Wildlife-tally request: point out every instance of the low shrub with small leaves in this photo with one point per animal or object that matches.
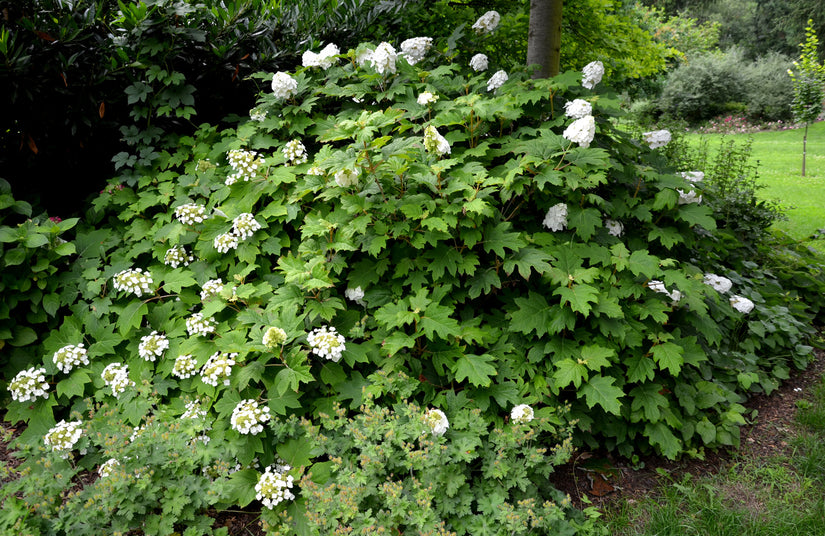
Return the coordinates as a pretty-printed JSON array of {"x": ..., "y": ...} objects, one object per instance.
[{"x": 391, "y": 211}]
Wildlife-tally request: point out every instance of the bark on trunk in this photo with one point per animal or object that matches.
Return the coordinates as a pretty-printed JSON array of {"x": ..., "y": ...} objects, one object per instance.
[
  {"x": 544, "y": 37},
  {"x": 804, "y": 148}
]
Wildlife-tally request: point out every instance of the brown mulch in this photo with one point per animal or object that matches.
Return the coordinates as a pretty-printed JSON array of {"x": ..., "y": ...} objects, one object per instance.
[{"x": 604, "y": 479}]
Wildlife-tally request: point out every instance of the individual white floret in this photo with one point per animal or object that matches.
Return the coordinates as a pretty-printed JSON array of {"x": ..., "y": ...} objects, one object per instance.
[
  {"x": 69, "y": 357},
  {"x": 274, "y": 337},
  {"x": 185, "y": 366},
  {"x": 107, "y": 467},
  {"x": 497, "y": 80},
  {"x": 134, "y": 280},
  {"x": 346, "y": 177},
  {"x": 190, "y": 213},
  {"x": 479, "y": 63},
  {"x": 416, "y": 48},
  {"x": 63, "y": 436},
  {"x": 487, "y": 22},
  {"x": 244, "y": 225},
  {"x": 614, "y": 228},
  {"x": 383, "y": 58},
  {"x": 327, "y": 343},
  {"x": 657, "y": 138},
  {"x": 581, "y": 131},
  {"x": 198, "y": 325},
  {"x": 176, "y": 256},
  {"x": 521, "y": 413},
  {"x": 718, "y": 283},
  {"x": 29, "y": 385},
  {"x": 273, "y": 486},
  {"x": 578, "y": 108},
  {"x": 223, "y": 243},
  {"x": 556, "y": 217},
  {"x": 283, "y": 86},
  {"x": 248, "y": 417},
  {"x": 435, "y": 142},
  {"x": 437, "y": 421},
  {"x": 741, "y": 304},
  {"x": 152, "y": 346},
  {"x": 218, "y": 368}
]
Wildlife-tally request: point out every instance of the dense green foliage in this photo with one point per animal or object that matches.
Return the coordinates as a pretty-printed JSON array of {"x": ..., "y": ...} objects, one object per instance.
[{"x": 354, "y": 232}]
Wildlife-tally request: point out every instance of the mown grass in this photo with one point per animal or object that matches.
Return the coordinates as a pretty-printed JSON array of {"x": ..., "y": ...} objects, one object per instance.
[
  {"x": 779, "y": 158},
  {"x": 781, "y": 496}
]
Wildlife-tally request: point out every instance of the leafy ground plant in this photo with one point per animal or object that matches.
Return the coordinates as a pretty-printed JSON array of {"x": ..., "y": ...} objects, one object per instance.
[{"x": 412, "y": 212}]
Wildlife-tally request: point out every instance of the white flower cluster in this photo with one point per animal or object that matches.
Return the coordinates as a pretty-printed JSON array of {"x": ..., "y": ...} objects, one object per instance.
[
  {"x": 614, "y": 228},
  {"x": 718, "y": 283},
  {"x": 315, "y": 170},
  {"x": 592, "y": 74},
  {"x": 134, "y": 280},
  {"x": 223, "y": 243},
  {"x": 273, "y": 486},
  {"x": 487, "y": 22},
  {"x": 185, "y": 366},
  {"x": 324, "y": 59},
  {"x": 294, "y": 152},
  {"x": 693, "y": 176},
  {"x": 556, "y": 217},
  {"x": 346, "y": 178},
  {"x": 521, "y": 413},
  {"x": 29, "y": 384},
  {"x": 479, "y": 63},
  {"x": 578, "y": 108},
  {"x": 152, "y": 346},
  {"x": 63, "y": 436},
  {"x": 427, "y": 98},
  {"x": 218, "y": 368},
  {"x": 274, "y": 337},
  {"x": 193, "y": 410},
  {"x": 244, "y": 225},
  {"x": 690, "y": 196},
  {"x": 355, "y": 294},
  {"x": 497, "y": 80},
  {"x": 116, "y": 376},
  {"x": 283, "y": 85},
  {"x": 581, "y": 131},
  {"x": 256, "y": 114},
  {"x": 69, "y": 357},
  {"x": 435, "y": 142},
  {"x": 657, "y": 138},
  {"x": 213, "y": 287},
  {"x": 659, "y": 286},
  {"x": 248, "y": 416},
  {"x": 327, "y": 343},
  {"x": 416, "y": 48},
  {"x": 741, "y": 304},
  {"x": 176, "y": 256},
  {"x": 107, "y": 467},
  {"x": 244, "y": 163},
  {"x": 383, "y": 58},
  {"x": 190, "y": 213},
  {"x": 437, "y": 421},
  {"x": 198, "y": 325}
]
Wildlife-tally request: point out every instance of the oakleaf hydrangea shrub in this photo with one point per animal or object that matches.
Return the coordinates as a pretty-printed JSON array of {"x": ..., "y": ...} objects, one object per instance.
[{"x": 475, "y": 243}]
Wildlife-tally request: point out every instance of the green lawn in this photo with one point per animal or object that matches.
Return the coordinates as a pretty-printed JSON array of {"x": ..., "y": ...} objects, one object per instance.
[{"x": 779, "y": 156}]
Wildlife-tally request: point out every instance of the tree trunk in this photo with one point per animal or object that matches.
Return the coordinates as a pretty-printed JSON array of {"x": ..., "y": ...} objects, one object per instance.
[
  {"x": 804, "y": 148},
  {"x": 544, "y": 37}
]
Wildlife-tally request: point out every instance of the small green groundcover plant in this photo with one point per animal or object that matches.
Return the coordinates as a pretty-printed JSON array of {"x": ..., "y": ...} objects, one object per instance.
[{"x": 387, "y": 303}]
